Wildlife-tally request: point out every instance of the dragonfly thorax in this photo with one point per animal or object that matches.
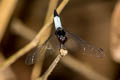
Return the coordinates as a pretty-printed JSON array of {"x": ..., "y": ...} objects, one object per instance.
[{"x": 61, "y": 35}]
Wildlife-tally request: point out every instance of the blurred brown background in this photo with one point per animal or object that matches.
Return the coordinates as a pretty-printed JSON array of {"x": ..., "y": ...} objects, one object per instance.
[{"x": 91, "y": 20}]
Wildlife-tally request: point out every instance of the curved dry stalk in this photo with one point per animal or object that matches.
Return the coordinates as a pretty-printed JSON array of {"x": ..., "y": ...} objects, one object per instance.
[
  {"x": 115, "y": 32},
  {"x": 37, "y": 69},
  {"x": 51, "y": 8},
  {"x": 6, "y": 9},
  {"x": 42, "y": 33},
  {"x": 53, "y": 65}
]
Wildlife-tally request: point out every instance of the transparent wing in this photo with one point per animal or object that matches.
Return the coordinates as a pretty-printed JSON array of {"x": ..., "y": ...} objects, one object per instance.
[
  {"x": 34, "y": 55},
  {"x": 76, "y": 44},
  {"x": 51, "y": 46}
]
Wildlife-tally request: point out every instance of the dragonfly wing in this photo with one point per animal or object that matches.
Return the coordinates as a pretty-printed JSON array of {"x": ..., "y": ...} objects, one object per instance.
[
  {"x": 51, "y": 46},
  {"x": 33, "y": 57},
  {"x": 76, "y": 44}
]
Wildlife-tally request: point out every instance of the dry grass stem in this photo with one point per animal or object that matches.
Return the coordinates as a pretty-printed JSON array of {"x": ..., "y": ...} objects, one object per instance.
[
  {"x": 6, "y": 9},
  {"x": 115, "y": 32},
  {"x": 53, "y": 65},
  {"x": 37, "y": 69},
  {"x": 52, "y": 6},
  {"x": 42, "y": 33}
]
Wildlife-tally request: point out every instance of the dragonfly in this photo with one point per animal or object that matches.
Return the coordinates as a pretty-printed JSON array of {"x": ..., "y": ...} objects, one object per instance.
[{"x": 63, "y": 39}]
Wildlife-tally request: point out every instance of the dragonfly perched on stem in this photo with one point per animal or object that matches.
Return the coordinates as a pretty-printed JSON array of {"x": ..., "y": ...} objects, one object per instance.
[{"x": 63, "y": 39}]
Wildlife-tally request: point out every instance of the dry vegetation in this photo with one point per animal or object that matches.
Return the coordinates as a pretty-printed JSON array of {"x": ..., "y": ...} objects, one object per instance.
[{"x": 24, "y": 24}]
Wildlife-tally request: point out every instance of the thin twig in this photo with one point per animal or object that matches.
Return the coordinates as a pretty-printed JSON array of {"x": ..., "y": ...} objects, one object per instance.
[
  {"x": 53, "y": 65},
  {"x": 37, "y": 69},
  {"x": 42, "y": 33},
  {"x": 6, "y": 9},
  {"x": 115, "y": 32}
]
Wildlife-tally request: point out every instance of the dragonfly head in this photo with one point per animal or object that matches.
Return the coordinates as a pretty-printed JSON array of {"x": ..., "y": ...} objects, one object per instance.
[
  {"x": 61, "y": 35},
  {"x": 62, "y": 39}
]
